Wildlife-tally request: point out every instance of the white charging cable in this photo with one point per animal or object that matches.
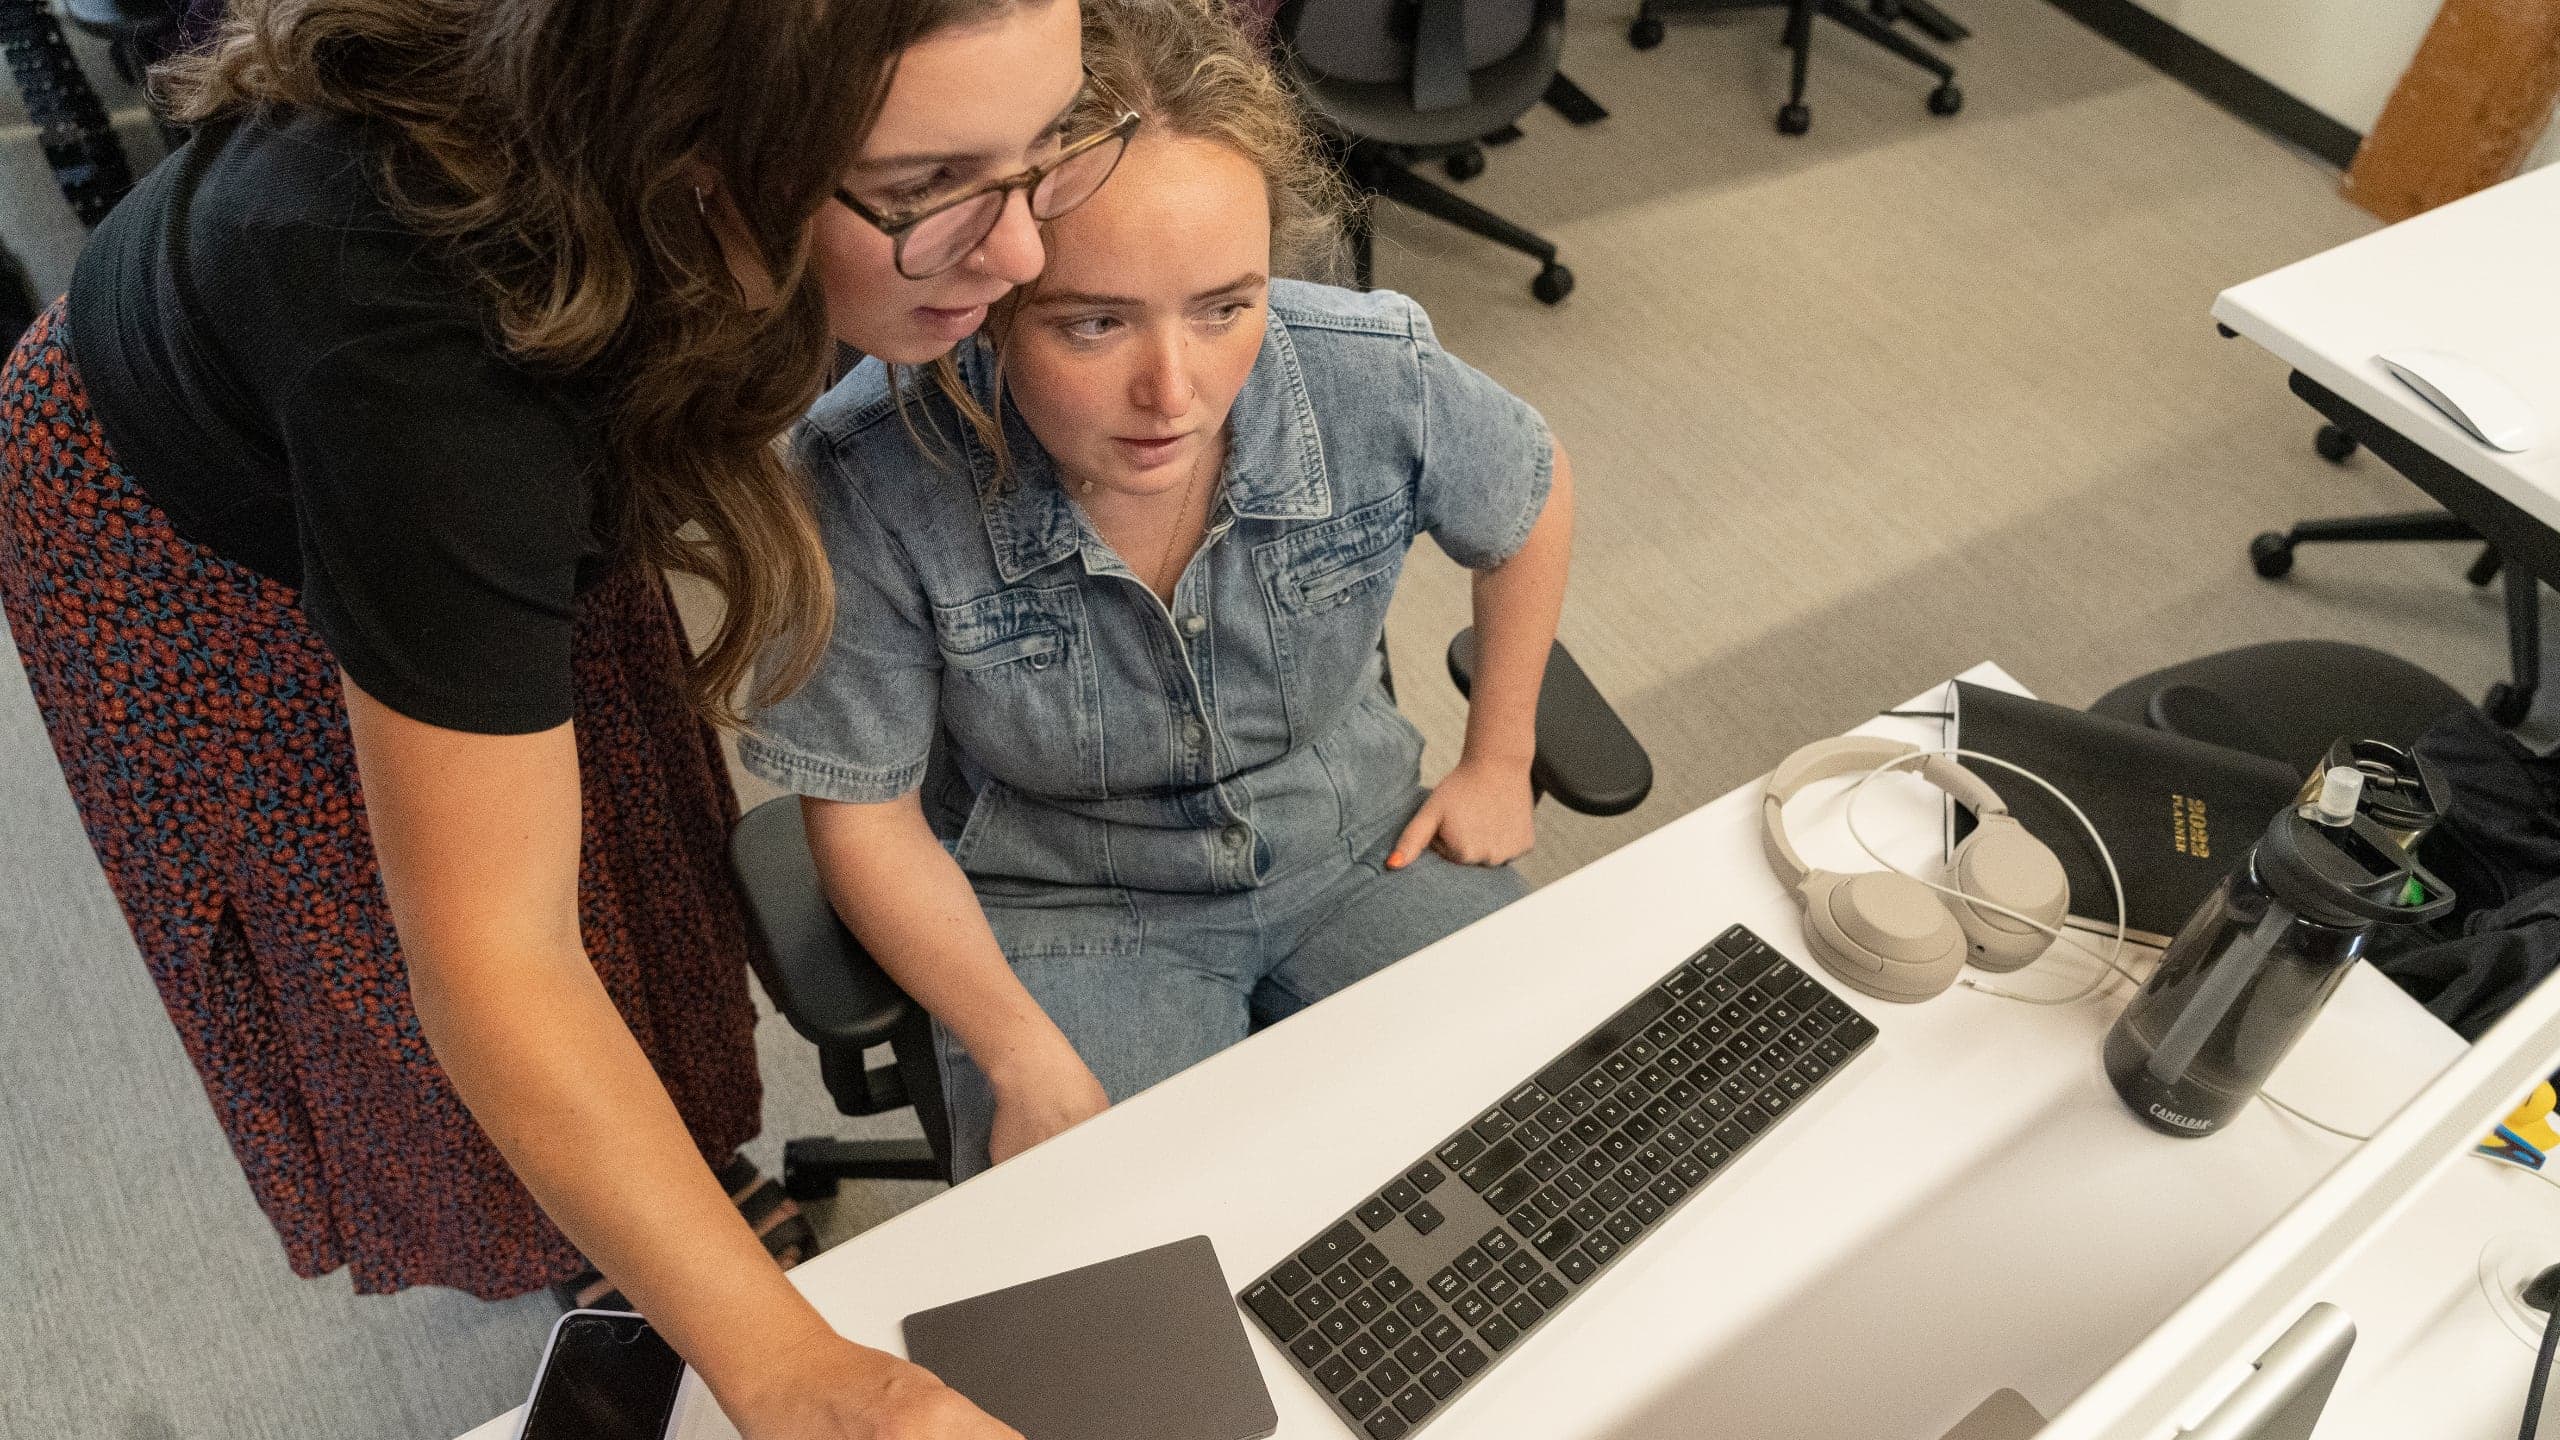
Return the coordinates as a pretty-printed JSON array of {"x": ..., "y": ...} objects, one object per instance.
[{"x": 2108, "y": 961}]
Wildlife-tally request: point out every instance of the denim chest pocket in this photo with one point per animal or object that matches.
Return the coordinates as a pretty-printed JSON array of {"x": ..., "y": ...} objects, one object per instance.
[
  {"x": 1019, "y": 685},
  {"x": 1328, "y": 586},
  {"x": 1338, "y": 563},
  {"x": 1038, "y": 649}
]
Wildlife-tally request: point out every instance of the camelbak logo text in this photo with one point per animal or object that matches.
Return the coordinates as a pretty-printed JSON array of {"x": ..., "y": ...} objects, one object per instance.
[{"x": 2181, "y": 1121}]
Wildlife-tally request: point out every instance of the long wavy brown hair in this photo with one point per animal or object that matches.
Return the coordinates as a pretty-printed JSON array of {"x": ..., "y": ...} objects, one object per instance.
[{"x": 555, "y": 149}]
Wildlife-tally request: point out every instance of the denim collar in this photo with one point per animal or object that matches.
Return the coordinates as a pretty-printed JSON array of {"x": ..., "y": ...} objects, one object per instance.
[{"x": 1275, "y": 462}]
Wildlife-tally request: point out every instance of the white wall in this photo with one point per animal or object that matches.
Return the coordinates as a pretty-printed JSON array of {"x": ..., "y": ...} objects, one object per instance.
[{"x": 2341, "y": 57}]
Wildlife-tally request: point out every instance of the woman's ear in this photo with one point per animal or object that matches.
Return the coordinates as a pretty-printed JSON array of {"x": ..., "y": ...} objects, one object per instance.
[{"x": 729, "y": 231}]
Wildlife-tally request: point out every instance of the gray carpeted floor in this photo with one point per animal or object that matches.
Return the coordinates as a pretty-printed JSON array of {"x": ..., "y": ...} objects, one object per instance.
[{"x": 1849, "y": 413}]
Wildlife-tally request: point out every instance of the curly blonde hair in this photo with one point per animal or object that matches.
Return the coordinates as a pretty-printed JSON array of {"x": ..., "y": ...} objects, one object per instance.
[{"x": 1189, "y": 71}]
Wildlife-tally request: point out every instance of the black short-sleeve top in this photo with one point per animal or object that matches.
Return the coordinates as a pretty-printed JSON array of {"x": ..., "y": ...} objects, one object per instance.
[{"x": 310, "y": 388}]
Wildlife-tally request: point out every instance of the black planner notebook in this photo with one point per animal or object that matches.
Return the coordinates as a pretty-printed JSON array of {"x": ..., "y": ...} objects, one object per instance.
[{"x": 2177, "y": 814}]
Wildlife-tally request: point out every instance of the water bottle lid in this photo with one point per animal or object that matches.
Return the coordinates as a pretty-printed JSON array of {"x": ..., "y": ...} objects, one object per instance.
[
  {"x": 2349, "y": 874},
  {"x": 2402, "y": 789},
  {"x": 2341, "y": 789}
]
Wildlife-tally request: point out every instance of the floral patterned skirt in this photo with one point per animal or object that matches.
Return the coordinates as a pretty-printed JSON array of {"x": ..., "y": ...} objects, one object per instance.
[{"x": 199, "y": 721}]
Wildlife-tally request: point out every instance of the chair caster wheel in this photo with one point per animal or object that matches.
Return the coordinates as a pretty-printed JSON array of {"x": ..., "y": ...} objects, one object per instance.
[
  {"x": 1466, "y": 165},
  {"x": 2335, "y": 445},
  {"x": 1553, "y": 284},
  {"x": 1946, "y": 99},
  {"x": 1645, "y": 33},
  {"x": 1794, "y": 120},
  {"x": 2271, "y": 554},
  {"x": 2505, "y": 706}
]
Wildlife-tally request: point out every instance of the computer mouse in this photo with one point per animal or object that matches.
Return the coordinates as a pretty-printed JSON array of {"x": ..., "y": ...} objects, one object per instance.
[{"x": 2469, "y": 395}]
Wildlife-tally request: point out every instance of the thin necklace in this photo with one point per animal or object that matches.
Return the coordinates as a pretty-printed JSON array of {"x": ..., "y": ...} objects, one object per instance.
[{"x": 1181, "y": 519}]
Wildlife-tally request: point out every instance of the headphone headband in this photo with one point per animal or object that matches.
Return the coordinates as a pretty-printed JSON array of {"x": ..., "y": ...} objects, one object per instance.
[{"x": 1855, "y": 755}]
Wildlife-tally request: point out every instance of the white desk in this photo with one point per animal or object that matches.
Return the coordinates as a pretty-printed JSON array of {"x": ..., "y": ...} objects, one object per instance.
[
  {"x": 1967, "y": 1206},
  {"x": 2478, "y": 278},
  {"x": 2432, "y": 1358}
]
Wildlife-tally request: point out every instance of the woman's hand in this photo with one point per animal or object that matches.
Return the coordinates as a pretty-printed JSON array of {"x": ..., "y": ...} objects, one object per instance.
[
  {"x": 833, "y": 1389},
  {"x": 1042, "y": 1099},
  {"x": 1480, "y": 815}
]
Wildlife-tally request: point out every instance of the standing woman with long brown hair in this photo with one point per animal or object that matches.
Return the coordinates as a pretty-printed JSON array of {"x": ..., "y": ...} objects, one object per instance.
[{"x": 334, "y": 505}]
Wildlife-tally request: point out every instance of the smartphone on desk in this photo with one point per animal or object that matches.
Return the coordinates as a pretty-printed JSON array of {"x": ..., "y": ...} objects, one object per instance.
[{"x": 605, "y": 1376}]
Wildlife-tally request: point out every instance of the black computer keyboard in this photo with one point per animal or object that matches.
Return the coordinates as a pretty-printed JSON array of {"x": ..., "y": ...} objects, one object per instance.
[{"x": 1404, "y": 1302}]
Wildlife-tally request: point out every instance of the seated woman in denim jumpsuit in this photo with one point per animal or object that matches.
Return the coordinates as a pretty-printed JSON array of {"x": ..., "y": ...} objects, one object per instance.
[{"x": 1100, "y": 766}]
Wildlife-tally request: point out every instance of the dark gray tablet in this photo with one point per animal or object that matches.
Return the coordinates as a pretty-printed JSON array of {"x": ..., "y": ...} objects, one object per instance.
[{"x": 1145, "y": 1347}]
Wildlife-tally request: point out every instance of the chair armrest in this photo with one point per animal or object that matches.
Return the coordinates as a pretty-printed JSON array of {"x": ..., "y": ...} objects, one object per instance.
[
  {"x": 1587, "y": 758},
  {"x": 819, "y": 976}
]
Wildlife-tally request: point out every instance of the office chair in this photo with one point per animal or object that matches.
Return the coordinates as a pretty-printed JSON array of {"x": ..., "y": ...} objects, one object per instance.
[
  {"x": 1393, "y": 83},
  {"x": 2271, "y": 554},
  {"x": 2286, "y": 700},
  {"x": 1875, "y": 23},
  {"x": 71, "y": 125},
  {"x": 838, "y": 998}
]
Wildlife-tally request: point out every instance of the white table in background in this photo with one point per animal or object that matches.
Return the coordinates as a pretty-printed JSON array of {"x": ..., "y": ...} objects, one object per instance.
[{"x": 2477, "y": 278}]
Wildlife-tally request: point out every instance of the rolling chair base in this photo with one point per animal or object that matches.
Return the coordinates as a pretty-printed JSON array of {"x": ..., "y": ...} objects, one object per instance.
[
  {"x": 1873, "y": 24},
  {"x": 2272, "y": 551},
  {"x": 1387, "y": 173},
  {"x": 814, "y": 1167},
  {"x": 2271, "y": 554},
  {"x": 1573, "y": 102},
  {"x": 1563, "y": 97}
]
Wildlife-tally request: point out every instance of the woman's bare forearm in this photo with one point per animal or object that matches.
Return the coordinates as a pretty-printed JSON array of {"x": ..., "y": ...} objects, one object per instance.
[
  {"x": 1517, "y": 604},
  {"x": 914, "y": 910},
  {"x": 537, "y": 1050},
  {"x": 478, "y": 840}
]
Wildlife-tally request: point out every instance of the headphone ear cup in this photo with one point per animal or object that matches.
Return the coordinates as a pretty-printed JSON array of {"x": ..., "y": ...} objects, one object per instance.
[
  {"x": 1881, "y": 933},
  {"x": 2003, "y": 864}
]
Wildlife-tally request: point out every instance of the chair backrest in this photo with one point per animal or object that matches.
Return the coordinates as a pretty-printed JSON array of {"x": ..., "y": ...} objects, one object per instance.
[
  {"x": 1384, "y": 42},
  {"x": 2287, "y": 699}
]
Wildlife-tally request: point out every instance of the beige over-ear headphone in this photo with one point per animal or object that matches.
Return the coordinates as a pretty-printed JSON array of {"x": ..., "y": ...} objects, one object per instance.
[{"x": 1888, "y": 934}]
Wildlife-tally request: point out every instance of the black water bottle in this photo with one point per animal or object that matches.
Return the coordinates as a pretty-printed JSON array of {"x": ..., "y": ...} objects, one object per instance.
[{"x": 2249, "y": 971}]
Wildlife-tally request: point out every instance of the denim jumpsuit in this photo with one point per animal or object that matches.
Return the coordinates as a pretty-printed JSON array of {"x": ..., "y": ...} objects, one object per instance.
[{"x": 1176, "y": 816}]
